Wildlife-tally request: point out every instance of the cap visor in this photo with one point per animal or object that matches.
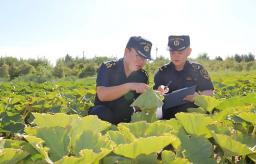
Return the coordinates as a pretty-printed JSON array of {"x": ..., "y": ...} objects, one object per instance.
[{"x": 142, "y": 55}]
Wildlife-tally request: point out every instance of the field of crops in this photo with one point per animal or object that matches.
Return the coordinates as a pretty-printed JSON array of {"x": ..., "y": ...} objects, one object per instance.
[{"x": 48, "y": 123}]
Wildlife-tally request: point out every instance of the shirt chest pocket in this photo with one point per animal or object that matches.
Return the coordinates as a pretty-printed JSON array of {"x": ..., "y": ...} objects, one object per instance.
[
  {"x": 189, "y": 81},
  {"x": 116, "y": 78}
]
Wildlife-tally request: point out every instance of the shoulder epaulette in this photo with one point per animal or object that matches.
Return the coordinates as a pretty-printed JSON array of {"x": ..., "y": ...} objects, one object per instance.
[
  {"x": 164, "y": 67},
  {"x": 196, "y": 66},
  {"x": 199, "y": 68},
  {"x": 110, "y": 64}
]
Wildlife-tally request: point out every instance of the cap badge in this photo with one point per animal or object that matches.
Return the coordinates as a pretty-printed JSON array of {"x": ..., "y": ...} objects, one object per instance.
[
  {"x": 147, "y": 47},
  {"x": 176, "y": 43}
]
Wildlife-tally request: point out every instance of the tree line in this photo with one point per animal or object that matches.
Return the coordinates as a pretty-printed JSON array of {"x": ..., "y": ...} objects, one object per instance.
[{"x": 41, "y": 70}]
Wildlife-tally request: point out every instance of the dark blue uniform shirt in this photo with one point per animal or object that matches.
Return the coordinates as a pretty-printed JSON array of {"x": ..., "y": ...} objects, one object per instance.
[
  {"x": 112, "y": 74},
  {"x": 192, "y": 74}
]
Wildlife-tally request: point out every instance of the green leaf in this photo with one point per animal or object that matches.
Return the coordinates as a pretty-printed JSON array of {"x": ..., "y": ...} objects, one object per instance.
[
  {"x": 167, "y": 156},
  {"x": 92, "y": 140},
  {"x": 195, "y": 123},
  {"x": 88, "y": 123},
  {"x": 148, "y": 159},
  {"x": 144, "y": 129},
  {"x": 133, "y": 130},
  {"x": 224, "y": 127},
  {"x": 230, "y": 146},
  {"x": 252, "y": 157},
  {"x": 57, "y": 139},
  {"x": 118, "y": 137},
  {"x": 148, "y": 101},
  {"x": 16, "y": 144},
  {"x": 113, "y": 158},
  {"x": 163, "y": 128},
  {"x": 86, "y": 156},
  {"x": 249, "y": 117},
  {"x": 247, "y": 139},
  {"x": 140, "y": 116},
  {"x": 11, "y": 155},
  {"x": 197, "y": 149},
  {"x": 196, "y": 110},
  {"x": 208, "y": 103},
  {"x": 238, "y": 101},
  {"x": 144, "y": 146},
  {"x": 179, "y": 161},
  {"x": 50, "y": 120},
  {"x": 37, "y": 143},
  {"x": 73, "y": 122}
]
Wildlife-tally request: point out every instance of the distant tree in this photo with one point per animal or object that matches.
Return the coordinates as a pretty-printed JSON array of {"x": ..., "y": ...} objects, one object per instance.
[
  {"x": 90, "y": 70},
  {"x": 38, "y": 62},
  {"x": 99, "y": 60},
  {"x": 203, "y": 56},
  {"x": 238, "y": 58},
  {"x": 58, "y": 71},
  {"x": 218, "y": 58},
  {"x": 4, "y": 71},
  {"x": 25, "y": 69},
  {"x": 251, "y": 57},
  {"x": 13, "y": 71},
  {"x": 68, "y": 59}
]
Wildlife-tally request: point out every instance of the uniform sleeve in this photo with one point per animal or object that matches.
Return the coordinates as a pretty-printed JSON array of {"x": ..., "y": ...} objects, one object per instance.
[
  {"x": 204, "y": 81},
  {"x": 102, "y": 77},
  {"x": 157, "y": 81}
]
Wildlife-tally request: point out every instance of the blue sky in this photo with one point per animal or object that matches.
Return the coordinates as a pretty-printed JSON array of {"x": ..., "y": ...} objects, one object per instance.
[{"x": 53, "y": 28}]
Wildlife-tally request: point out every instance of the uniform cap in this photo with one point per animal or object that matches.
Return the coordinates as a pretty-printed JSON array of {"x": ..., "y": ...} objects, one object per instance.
[
  {"x": 178, "y": 43},
  {"x": 141, "y": 45}
]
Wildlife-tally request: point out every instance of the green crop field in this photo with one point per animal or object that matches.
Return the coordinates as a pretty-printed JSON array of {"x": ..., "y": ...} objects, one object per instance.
[{"x": 48, "y": 123}]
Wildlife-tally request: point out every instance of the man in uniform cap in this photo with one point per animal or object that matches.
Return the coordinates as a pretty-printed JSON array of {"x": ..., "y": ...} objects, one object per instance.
[
  {"x": 181, "y": 73},
  {"x": 120, "y": 82}
]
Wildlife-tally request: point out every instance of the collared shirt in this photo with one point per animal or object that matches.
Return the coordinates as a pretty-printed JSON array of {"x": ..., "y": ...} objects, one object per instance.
[
  {"x": 192, "y": 74},
  {"x": 112, "y": 74}
]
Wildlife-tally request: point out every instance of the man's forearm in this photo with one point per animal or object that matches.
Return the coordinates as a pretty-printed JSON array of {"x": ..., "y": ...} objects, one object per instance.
[{"x": 112, "y": 93}]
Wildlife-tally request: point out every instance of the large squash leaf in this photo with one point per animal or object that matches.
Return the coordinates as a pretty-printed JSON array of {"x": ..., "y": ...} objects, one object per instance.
[
  {"x": 148, "y": 101},
  {"x": 93, "y": 141},
  {"x": 208, "y": 103},
  {"x": 144, "y": 146},
  {"x": 144, "y": 129},
  {"x": 86, "y": 156},
  {"x": 249, "y": 117},
  {"x": 11, "y": 155},
  {"x": 252, "y": 157},
  {"x": 49, "y": 120},
  {"x": 37, "y": 143},
  {"x": 169, "y": 157},
  {"x": 139, "y": 116},
  {"x": 197, "y": 149},
  {"x": 118, "y": 137},
  {"x": 73, "y": 122},
  {"x": 148, "y": 159},
  {"x": 230, "y": 146},
  {"x": 195, "y": 123},
  {"x": 238, "y": 101},
  {"x": 55, "y": 138}
]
